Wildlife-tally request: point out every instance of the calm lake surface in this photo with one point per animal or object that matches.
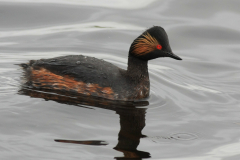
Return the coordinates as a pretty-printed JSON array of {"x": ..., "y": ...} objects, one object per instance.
[{"x": 193, "y": 112}]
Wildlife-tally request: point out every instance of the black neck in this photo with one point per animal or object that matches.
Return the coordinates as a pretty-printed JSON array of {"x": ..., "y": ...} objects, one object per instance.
[{"x": 137, "y": 68}]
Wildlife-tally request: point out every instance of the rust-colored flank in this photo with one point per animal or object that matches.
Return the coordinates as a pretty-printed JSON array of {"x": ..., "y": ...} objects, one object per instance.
[
  {"x": 48, "y": 80},
  {"x": 144, "y": 45}
]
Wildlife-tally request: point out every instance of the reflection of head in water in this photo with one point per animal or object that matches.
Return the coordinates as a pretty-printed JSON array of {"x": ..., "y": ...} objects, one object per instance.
[
  {"x": 132, "y": 122},
  {"x": 132, "y": 119}
]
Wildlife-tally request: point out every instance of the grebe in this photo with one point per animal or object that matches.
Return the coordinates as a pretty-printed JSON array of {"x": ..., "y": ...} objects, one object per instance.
[{"x": 94, "y": 77}]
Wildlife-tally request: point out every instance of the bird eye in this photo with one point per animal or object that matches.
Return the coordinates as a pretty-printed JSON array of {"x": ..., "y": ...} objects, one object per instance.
[{"x": 159, "y": 47}]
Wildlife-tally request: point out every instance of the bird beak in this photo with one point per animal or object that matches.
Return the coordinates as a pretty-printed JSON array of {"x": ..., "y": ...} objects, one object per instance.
[{"x": 169, "y": 54}]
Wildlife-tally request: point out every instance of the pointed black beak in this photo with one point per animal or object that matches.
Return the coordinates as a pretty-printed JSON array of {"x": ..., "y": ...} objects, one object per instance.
[{"x": 169, "y": 54}]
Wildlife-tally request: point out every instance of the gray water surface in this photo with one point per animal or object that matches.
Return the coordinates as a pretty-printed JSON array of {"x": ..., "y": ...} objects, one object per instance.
[{"x": 194, "y": 107}]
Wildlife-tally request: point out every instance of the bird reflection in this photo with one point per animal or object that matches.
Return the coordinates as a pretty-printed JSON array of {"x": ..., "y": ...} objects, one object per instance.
[{"x": 132, "y": 119}]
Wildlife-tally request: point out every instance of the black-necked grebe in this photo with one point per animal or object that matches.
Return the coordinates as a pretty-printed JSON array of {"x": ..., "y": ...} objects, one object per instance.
[{"x": 94, "y": 77}]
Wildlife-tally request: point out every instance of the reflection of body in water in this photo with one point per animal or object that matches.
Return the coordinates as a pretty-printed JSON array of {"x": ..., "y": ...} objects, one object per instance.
[{"x": 132, "y": 119}]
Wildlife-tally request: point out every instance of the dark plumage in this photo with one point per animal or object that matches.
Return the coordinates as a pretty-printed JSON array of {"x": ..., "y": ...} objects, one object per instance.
[{"x": 94, "y": 77}]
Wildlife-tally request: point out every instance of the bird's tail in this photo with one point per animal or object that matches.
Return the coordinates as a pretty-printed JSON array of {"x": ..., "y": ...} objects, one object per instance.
[
  {"x": 23, "y": 65},
  {"x": 26, "y": 66}
]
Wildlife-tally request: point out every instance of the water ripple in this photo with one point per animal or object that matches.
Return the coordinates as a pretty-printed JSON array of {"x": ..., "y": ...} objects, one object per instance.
[
  {"x": 83, "y": 27},
  {"x": 123, "y": 4}
]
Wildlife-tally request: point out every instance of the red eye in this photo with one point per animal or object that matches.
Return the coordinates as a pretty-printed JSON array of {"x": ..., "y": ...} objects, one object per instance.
[{"x": 159, "y": 47}]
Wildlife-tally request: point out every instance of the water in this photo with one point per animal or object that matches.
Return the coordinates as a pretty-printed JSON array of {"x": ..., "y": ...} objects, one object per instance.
[{"x": 193, "y": 110}]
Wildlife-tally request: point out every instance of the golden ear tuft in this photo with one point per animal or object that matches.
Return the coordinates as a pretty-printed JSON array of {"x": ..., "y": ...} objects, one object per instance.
[{"x": 144, "y": 45}]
